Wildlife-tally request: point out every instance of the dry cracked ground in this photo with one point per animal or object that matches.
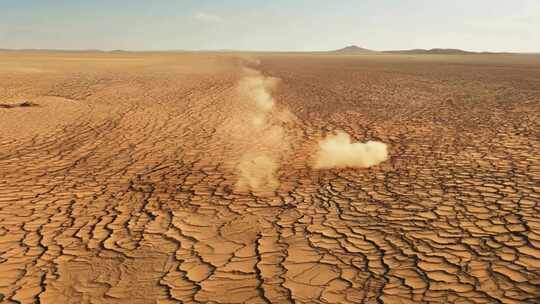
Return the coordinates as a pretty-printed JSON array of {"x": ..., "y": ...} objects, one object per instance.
[{"x": 117, "y": 180}]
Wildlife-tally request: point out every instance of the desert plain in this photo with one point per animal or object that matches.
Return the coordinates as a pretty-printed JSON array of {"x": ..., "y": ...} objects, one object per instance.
[{"x": 162, "y": 178}]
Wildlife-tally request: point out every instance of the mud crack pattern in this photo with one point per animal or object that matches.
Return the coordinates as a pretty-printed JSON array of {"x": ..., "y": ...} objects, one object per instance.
[{"x": 119, "y": 186}]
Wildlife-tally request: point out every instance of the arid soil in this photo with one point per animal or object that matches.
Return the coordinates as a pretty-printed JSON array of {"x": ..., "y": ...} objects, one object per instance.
[{"x": 122, "y": 179}]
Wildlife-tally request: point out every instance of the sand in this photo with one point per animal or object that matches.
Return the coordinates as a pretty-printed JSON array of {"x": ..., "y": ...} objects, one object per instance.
[{"x": 120, "y": 183}]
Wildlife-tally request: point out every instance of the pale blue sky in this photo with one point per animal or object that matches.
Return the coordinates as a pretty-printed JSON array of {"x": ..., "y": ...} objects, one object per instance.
[{"x": 495, "y": 25}]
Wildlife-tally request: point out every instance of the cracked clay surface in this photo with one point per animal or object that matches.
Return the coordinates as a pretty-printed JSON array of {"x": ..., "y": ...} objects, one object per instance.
[{"x": 119, "y": 185}]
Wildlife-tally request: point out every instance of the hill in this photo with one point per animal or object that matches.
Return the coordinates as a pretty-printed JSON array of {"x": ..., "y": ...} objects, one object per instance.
[{"x": 353, "y": 49}]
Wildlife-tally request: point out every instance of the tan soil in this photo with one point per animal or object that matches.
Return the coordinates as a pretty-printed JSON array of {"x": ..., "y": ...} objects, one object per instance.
[{"x": 119, "y": 185}]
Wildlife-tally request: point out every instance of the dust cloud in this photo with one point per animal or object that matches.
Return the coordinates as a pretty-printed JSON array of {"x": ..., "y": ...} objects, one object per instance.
[
  {"x": 257, "y": 88},
  {"x": 267, "y": 128},
  {"x": 338, "y": 151},
  {"x": 257, "y": 173}
]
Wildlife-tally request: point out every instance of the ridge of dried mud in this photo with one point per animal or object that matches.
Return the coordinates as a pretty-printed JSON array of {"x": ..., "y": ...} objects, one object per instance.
[{"x": 119, "y": 187}]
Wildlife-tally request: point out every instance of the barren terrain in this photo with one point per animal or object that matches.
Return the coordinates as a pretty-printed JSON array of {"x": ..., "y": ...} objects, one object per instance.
[{"x": 123, "y": 179}]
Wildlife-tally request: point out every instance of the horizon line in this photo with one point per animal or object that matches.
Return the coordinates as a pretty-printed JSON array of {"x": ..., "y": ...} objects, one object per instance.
[{"x": 341, "y": 50}]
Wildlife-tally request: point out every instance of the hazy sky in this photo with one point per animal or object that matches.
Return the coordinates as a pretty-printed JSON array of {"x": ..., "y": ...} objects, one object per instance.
[{"x": 496, "y": 25}]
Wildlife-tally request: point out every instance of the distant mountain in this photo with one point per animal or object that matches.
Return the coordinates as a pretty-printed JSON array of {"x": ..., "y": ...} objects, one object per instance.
[
  {"x": 431, "y": 51},
  {"x": 352, "y": 49}
]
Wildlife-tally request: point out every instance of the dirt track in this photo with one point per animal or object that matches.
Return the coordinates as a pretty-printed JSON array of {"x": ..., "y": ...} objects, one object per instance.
[{"x": 118, "y": 184}]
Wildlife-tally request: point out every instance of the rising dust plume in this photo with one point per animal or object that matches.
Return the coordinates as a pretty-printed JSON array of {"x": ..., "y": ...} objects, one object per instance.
[{"x": 267, "y": 128}]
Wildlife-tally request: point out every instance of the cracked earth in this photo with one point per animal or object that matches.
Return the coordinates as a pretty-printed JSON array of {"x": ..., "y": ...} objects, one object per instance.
[{"x": 118, "y": 180}]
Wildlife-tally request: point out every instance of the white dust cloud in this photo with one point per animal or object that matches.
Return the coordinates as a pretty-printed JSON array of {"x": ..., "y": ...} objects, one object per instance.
[{"x": 338, "y": 151}]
